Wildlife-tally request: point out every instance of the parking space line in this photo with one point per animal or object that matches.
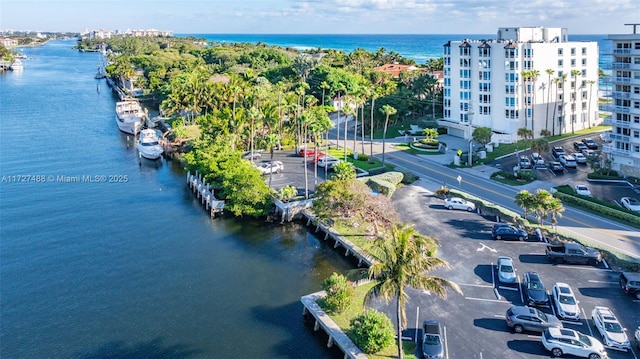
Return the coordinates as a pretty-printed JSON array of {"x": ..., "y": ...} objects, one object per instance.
[
  {"x": 601, "y": 281},
  {"x": 446, "y": 346},
  {"x": 586, "y": 320},
  {"x": 499, "y": 315},
  {"x": 583, "y": 268},
  {"x": 476, "y": 285},
  {"x": 572, "y": 323},
  {"x": 508, "y": 288},
  {"x": 486, "y": 300},
  {"x": 534, "y": 336}
]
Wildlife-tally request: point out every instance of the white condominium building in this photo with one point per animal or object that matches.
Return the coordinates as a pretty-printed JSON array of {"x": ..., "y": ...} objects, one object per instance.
[
  {"x": 529, "y": 77},
  {"x": 624, "y": 150}
]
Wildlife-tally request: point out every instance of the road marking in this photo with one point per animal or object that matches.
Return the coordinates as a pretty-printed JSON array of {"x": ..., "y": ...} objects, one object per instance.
[
  {"x": 572, "y": 323},
  {"x": 586, "y": 321},
  {"x": 484, "y": 246},
  {"x": 601, "y": 281},
  {"x": 508, "y": 288},
  {"x": 534, "y": 336},
  {"x": 446, "y": 347},
  {"x": 583, "y": 268},
  {"x": 499, "y": 316},
  {"x": 486, "y": 300},
  {"x": 476, "y": 285}
]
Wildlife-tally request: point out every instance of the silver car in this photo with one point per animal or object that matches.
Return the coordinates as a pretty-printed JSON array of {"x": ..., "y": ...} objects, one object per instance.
[
  {"x": 506, "y": 270},
  {"x": 432, "y": 341},
  {"x": 525, "y": 318}
]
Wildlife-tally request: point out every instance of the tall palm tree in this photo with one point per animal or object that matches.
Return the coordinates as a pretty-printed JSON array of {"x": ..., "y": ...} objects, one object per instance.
[
  {"x": 526, "y": 77},
  {"x": 403, "y": 262},
  {"x": 575, "y": 74},
  {"x": 590, "y": 82},
  {"x": 270, "y": 141},
  {"x": 549, "y": 73},
  {"x": 533, "y": 75},
  {"x": 387, "y": 110}
]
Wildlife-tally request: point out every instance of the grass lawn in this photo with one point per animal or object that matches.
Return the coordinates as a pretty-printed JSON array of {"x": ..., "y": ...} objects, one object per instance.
[
  {"x": 368, "y": 165},
  {"x": 406, "y": 148},
  {"x": 356, "y": 308}
]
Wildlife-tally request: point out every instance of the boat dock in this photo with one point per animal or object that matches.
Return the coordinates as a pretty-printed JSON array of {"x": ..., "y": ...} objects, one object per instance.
[
  {"x": 339, "y": 241},
  {"x": 322, "y": 320},
  {"x": 204, "y": 193}
]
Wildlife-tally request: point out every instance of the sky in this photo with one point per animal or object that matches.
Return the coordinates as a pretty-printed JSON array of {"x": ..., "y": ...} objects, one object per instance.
[{"x": 320, "y": 16}]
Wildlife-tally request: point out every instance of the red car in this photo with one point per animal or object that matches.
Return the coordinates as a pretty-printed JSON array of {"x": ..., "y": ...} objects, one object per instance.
[{"x": 310, "y": 152}]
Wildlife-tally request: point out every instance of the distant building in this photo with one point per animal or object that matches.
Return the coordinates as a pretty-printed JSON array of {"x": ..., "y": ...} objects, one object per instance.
[
  {"x": 624, "y": 150},
  {"x": 150, "y": 32},
  {"x": 484, "y": 83},
  {"x": 7, "y": 42},
  {"x": 99, "y": 34},
  {"x": 395, "y": 69}
]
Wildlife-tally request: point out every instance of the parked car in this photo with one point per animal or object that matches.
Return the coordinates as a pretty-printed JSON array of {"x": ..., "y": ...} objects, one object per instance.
[
  {"x": 459, "y": 203},
  {"x": 565, "y": 301},
  {"x": 606, "y": 136},
  {"x": 505, "y": 231},
  {"x": 310, "y": 152},
  {"x": 533, "y": 289},
  {"x": 557, "y": 151},
  {"x": 613, "y": 334},
  {"x": 524, "y": 163},
  {"x": 638, "y": 336},
  {"x": 630, "y": 203},
  {"x": 579, "y": 146},
  {"x": 582, "y": 190},
  {"x": 561, "y": 341},
  {"x": 568, "y": 161},
  {"x": 432, "y": 340},
  {"x": 537, "y": 160},
  {"x": 590, "y": 143},
  {"x": 630, "y": 283},
  {"x": 252, "y": 155},
  {"x": 522, "y": 318},
  {"x": 506, "y": 270},
  {"x": 327, "y": 161},
  {"x": 589, "y": 153},
  {"x": 571, "y": 252},
  {"x": 270, "y": 167},
  {"x": 580, "y": 158},
  {"x": 556, "y": 166}
]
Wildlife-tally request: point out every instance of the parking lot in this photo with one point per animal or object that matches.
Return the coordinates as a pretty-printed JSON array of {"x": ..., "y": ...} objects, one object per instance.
[
  {"x": 572, "y": 176},
  {"x": 474, "y": 323}
]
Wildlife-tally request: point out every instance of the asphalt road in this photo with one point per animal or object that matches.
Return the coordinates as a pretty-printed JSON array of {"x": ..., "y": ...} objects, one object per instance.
[{"x": 474, "y": 322}]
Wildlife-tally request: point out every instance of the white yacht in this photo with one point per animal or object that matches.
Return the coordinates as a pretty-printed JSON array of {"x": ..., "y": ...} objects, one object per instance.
[
  {"x": 16, "y": 65},
  {"x": 148, "y": 145},
  {"x": 129, "y": 116}
]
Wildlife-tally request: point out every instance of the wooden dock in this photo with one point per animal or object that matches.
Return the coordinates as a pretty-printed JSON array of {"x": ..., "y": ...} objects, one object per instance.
[
  {"x": 204, "y": 193},
  {"x": 322, "y": 320},
  {"x": 339, "y": 241}
]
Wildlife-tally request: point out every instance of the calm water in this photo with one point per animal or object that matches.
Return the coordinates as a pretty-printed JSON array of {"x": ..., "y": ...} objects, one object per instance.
[
  {"x": 417, "y": 47},
  {"x": 134, "y": 269}
]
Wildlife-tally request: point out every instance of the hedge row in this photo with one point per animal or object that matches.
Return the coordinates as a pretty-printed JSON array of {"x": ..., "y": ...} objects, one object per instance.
[
  {"x": 566, "y": 194},
  {"x": 384, "y": 183}
]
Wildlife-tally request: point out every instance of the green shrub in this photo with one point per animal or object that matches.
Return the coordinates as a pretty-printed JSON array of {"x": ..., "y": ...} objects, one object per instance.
[
  {"x": 363, "y": 157},
  {"x": 408, "y": 177},
  {"x": 340, "y": 293},
  {"x": 393, "y": 177},
  {"x": 287, "y": 193},
  {"x": 597, "y": 205},
  {"x": 372, "y": 331},
  {"x": 381, "y": 186}
]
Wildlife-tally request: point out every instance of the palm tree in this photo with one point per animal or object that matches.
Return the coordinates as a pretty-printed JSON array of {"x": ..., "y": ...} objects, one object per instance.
[
  {"x": 526, "y": 77},
  {"x": 590, "y": 82},
  {"x": 540, "y": 145},
  {"x": 575, "y": 74},
  {"x": 549, "y": 72},
  {"x": 387, "y": 110},
  {"x": 254, "y": 115},
  {"x": 561, "y": 80},
  {"x": 533, "y": 75},
  {"x": 525, "y": 133},
  {"x": 270, "y": 141},
  {"x": 403, "y": 261},
  {"x": 525, "y": 200}
]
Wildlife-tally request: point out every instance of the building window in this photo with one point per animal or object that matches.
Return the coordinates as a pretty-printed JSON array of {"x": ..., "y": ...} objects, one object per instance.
[
  {"x": 637, "y": 45},
  {"x": 573, "y": 51},
  {"x": 560, "y": 52},
  {"x": 584, "y": 73},
  {"x": 560, "y": 74},
  {"x": 584, "y": 50},
  {"x": 636, "y": 134},
  {"x": 485, "y": 110},
  {"x": 484, "y": 75},
  {"x": 573, "y": 62},
  {"x": 560, "y": 63},
  {"x": 584, "y": 62}
]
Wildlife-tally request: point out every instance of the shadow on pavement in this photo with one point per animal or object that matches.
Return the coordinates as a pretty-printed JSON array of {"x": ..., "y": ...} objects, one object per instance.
[
  {"x": 494, "y": 324},
  {"x": 484, "y": 272}
]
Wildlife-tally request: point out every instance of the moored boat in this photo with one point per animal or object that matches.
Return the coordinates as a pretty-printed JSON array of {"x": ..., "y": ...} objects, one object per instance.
[
  {"x": 16, "y": 65},
  {"x": 129, "y": 116},
  {"x": 148, "y": 145}
]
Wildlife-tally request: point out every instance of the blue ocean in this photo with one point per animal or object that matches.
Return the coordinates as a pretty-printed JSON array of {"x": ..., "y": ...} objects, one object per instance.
[{"x": 420, "y": 48}]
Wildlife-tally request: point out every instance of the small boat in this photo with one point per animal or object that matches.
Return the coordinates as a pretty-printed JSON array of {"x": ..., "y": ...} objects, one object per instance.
[
  {"x": 148, "y": 145},
  {"x": 129, "y": 116},
  {"x": 16, "y": 65}
]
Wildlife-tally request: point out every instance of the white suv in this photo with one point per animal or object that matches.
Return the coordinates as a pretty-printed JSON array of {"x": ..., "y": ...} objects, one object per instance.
[
  {"x": 613, "y": 334},
  {"x": 560, "y": 341},
  {"x": 565, "y": 301}
]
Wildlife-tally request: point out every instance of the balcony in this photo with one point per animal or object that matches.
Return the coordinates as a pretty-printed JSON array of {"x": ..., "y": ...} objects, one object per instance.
[
  {"x": 620, "y": 94},
  {"x": 620, "y": 80},
  {"x": 621, "y": 51},
  {"x": 611, "y": 108},
  {"x": 609, "y": 121},
  {"x": 615, "y": 151}
]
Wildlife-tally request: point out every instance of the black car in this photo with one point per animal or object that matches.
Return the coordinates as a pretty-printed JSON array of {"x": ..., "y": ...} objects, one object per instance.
[
  {"x": 556, "y": 166},
  {"x": 505, "y": 231},
  {"x": 579, "y": 146},
  {"x": 557, "y": 151},
  {"x": 533, "y": 289},
  {"x": 590, "y": 143}
]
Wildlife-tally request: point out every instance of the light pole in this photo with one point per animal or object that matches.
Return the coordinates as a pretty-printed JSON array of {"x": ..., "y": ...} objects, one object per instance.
[{"x": 470, "y": 134}]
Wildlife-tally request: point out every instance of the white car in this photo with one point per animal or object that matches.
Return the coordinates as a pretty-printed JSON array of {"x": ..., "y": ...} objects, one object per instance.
[
  {"x": 613, "y": 334},
  {"x": 630, "y": 203},
  {"x": 327, "y": 161},
  {"x": 568, "y": 161},
  {"x": 583, "y": 190},
  {"x": 560, "y": 341},
  {"x": 459, "y": 203},
  {"x": 506, "y": 270},
  {"x": 638, "y": 337},
  {"x": 270, "y": 167},
  {"x": 565, "y": 302},
  {"x": 580, "y": 158}
]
